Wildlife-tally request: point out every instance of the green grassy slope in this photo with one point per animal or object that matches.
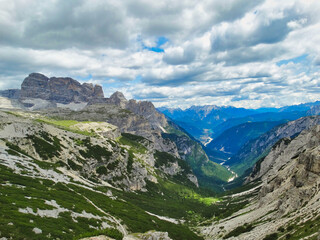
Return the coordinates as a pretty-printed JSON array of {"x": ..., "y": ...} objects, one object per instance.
[{"x": 210, "y": 174}]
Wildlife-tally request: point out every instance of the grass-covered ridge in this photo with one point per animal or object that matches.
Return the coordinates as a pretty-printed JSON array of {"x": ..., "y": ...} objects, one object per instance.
[
  {"x": 22, "y": 192},
  {"x": 136, "y": 143},
  {"x": 81, "y": 180},
  {"x": 87, "y": 128}
]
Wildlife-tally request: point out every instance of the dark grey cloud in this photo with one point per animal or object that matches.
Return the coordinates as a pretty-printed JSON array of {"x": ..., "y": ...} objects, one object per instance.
[
  {"x": 213, "y": 92},
  {"x": 176, "y": 78},
  {"x": 267, "y": 31},
  {"x": 232, "y": 10},
  {"x": 66, "y": 24},
  {"x": 221, "y": 51},
  {"x": 244, "y": 55}
]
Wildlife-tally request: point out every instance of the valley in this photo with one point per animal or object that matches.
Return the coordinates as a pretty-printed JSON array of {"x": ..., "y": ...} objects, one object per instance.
[{"x": 77, "y": 165}]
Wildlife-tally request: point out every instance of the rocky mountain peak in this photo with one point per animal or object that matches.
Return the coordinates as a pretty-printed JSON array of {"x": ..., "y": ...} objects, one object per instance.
[
  {"x": 118, "y": 99},
  {"x": 38, "y": 77},
  {"x": 58, "y": 89}
]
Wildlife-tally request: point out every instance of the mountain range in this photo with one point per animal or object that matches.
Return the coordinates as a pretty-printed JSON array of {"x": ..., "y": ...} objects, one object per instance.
[{"x": 75, "y": 164}]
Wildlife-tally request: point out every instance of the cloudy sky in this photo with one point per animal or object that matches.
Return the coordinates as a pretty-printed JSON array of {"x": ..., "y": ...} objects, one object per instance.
[{"x": 248, "y": 53}]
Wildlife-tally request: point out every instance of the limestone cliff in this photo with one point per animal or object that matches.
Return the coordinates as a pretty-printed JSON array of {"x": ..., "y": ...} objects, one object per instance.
[
  {"x": 58, "y": 90},
  {"x": 284, "y": 196}
]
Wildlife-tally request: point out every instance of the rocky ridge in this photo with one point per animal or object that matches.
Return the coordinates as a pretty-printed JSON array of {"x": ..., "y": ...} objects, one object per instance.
[
  {"x": 85, "y": 177},
  {"x": 67, "y": 99},
  {"x": 286, "y": 204},
  {"x": 98, "y": 156},
  {"x": 251, "y": 152}
]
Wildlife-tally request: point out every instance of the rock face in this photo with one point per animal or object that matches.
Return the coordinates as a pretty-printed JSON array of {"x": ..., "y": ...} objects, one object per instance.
[
  {"x": 125, "y": 120},
  {"x": 291, "y": 170},
  {"x": 59, "y": 90},
  {"x": 143, "y": 119},
  {"x": 63, "y": 98},
  {"x": 144, "y": 109},
  {"x": 287, "y": 195},
  {"x": 101, "y": 156}
]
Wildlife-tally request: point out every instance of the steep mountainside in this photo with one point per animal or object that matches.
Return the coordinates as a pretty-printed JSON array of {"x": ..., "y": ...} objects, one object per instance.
[
  {"x": 261, "y": 117},
  {"x": 141, "y": 118},
  {"x": 231, "y": 140},
  {"x": 67, "y": 99},
  {"x": 205, "y": 122},
  {"x": 314, "y": 110},
  {"x": 200, "y": 121},
  {"x": 287, "y": 204},
  {"x": 64, "y": 178},
  {"x": 251, "y": 152},
  {"x": 209, "y": 174}
]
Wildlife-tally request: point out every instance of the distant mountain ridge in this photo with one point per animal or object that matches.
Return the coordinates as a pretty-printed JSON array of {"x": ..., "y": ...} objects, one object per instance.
[
  {"x": 256, "y": 149},
  {"x": 224, "y": 130},
  {"x": 200, "y": 121},
  {"x": 212, "y": 120},
  {"x": 231, "y": 140}
]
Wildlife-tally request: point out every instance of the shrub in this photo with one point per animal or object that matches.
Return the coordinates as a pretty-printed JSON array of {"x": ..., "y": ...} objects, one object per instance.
[
  {"x": 239, "y": 230},
  {"x": 102, "y": 170},
  {"x": 272, "y": 236}
]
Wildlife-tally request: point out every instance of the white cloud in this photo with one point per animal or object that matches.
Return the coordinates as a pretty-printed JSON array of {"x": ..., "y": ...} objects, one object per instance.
[{"x": 218, "y": 52}]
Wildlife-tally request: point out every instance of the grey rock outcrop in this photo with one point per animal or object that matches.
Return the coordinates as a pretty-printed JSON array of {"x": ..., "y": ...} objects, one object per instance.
[
  {"x": 101, "y": 156},
  {"x": 291, "y": 170},
  {"x": 125, "y": 120},
  {"x": 288, "y": 192},
  {"x": 58, "y": 90},
  {"x": 118, "y": 99},
  {"x": 145, "y": 109}
]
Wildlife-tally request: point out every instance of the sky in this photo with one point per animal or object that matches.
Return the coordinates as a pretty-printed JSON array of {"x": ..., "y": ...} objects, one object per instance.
[{"x": 243, "y": 53}]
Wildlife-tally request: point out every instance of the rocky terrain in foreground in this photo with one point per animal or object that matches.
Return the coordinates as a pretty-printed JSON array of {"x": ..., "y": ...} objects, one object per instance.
[
  {"x": 58, "y": 170},
  {"x": 287, "y": 200}
]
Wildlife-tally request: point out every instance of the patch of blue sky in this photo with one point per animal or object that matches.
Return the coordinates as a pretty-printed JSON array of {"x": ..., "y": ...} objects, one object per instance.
[
  {"x": 295, "y": 60},
  {"x": 159, "y": 43},
  {"x": 84, "y": 78},
  {"x": 137, "y": 79}
]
